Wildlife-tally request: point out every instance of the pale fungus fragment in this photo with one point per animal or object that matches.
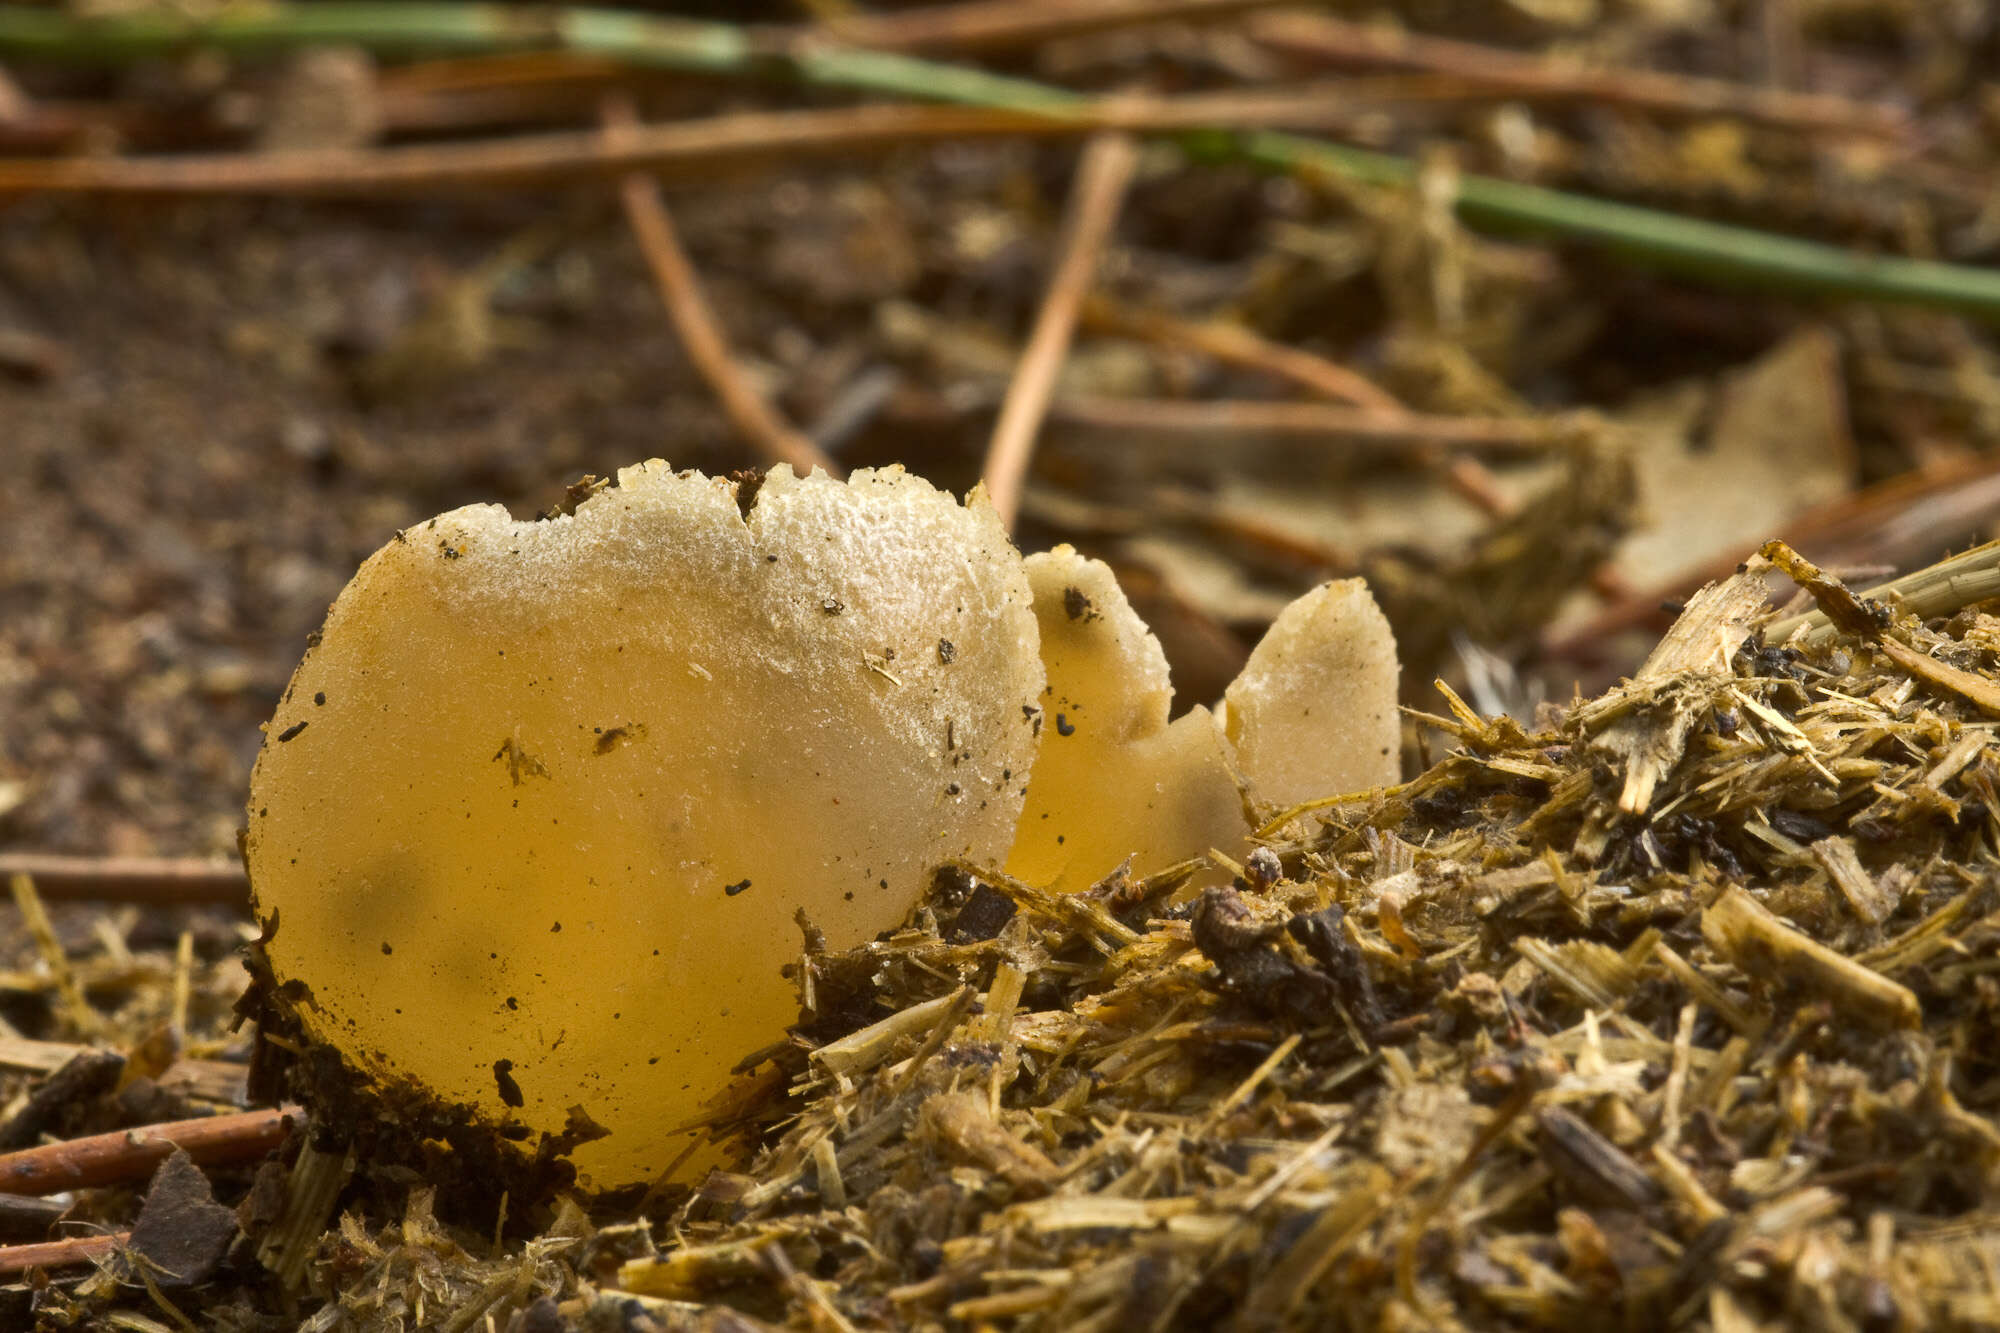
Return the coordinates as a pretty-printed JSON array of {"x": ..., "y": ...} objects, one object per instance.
[
  {"x": 535, "y": 817},
  {"x": 1114, "y": 777},
  {"x": 533, "y": 825},
  {"x": 1313, "y": 712}
]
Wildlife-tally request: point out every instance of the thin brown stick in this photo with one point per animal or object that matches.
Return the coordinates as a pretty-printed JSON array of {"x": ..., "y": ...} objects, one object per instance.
[
  {"x": 1472, "y": 479},
  {"x": 419, "y": 105},
  {"x": 154, "y": 881},
  {"x": 1235, "y": 345},
  {"x": 128, "y": 1154},
  {"x": 59, "y": 1253},
  {"x": 699, "y": 331},
  {"x": 1227, "y": 420},
  {"x": 445, "y": 167},
  {"x": 1323, "y": 37},
  {"x": 499, "y": 72},
  {"x": 467, "y": 92},
  {"x": 679, "y": 146},
  {"x": 1095, "y": 198},
  {"x": 1331, "y": 105},
  {"x": 685, "y": 146},
  {"x": 991, "y": 25},
  {"x": 1250, "y": 525}
]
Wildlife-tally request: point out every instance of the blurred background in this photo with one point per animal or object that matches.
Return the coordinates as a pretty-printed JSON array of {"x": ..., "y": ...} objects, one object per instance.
[{"x": 1538, "y": 313}]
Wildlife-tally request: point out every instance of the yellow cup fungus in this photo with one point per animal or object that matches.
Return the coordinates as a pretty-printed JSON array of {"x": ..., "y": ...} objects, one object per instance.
[
  {"x": 532, "y": 825},
  {"x": 1114, "y": 778},
  {"x": 1313, "y": 713}
]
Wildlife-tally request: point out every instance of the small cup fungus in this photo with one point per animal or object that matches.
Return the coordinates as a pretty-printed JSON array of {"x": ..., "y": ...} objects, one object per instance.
[
  {"x": 533, "y": 823},
  {"x": 1114, "y": 778},
  {"x": 1312, "y": 714}
]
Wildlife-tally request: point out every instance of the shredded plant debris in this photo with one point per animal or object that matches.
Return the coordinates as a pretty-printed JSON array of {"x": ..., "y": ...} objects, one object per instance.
[{"x": 1676, "y": 1008}]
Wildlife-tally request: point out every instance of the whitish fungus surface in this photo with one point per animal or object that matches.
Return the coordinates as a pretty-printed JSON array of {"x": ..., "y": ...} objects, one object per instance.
[
  {"x": 1313, "y": 711},
  {"x": 537, "y": 811},
  {"x": 531, "y": 827}
]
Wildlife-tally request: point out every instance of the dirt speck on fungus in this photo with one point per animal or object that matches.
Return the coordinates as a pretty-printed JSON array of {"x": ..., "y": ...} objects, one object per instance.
[
  {"x": 503, "y": 1078},
  {"x": 613, "y": 737}
]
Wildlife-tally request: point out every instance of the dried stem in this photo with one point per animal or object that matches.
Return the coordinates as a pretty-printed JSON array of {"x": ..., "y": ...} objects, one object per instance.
[
  {"x": 1249, "y": 524},
  {"x": 1516, "y": 74},
  {"x": 1235, "y": 345},
  {"x": 154, "y": 881},
  {"x": 41, "y": 1057},
  {"x": 1095, "y": 198},
  {"x": 59, "y": 1253},
  {"x": 472, "y": 92},
  {"x": 521, "y": 159},
  {"x": 991, "y": 25},
  {"x": 699, "y": 330},
  {"x": 129, "y": 1154},
  {"x": 1501, "y": 1119},
  {"x": 1224, "y": 420},
  {"x": 1475, "y": 482},
  {"x": 1941, "y": 589},
  {"x": 1712, "y": 251},
  {"x": 311, "y": 1190}
]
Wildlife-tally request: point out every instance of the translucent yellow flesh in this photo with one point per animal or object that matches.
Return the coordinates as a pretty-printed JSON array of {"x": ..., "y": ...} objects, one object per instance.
[
  {"x": 535, "y": 818},
  {"x": 1114, "y": 778},
  {"x": 551, "y": 793},
  {"x": 1313, "y": 712}
]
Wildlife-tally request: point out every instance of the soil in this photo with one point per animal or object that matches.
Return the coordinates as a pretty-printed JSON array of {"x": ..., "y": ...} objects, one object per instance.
[{"x": 229, "y": 406}]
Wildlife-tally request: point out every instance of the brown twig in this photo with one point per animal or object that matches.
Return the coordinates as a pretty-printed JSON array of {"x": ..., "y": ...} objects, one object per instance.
[
  {"x": 154, "y": 881},
  {"x": 1332, "y": 105},
  {"x": 1474, "y": 481},
  {"x": 1226, "y": 420},
  {"x": 1251, "y": 525},
  {"x": 469, "y": 92},
  {"x": 543, "y": 86},
  {"x": 128, "y": 1154},
  {"x": 1235, "y": 345},
  {"x": 59, "y": 1253},
  {"x": 990, "y": 25},
  {"x": 699, "y": 331},
  {"x": 446, "y": 167},
  {"x": 1095, "y": 197},
  {"x": 1320, "y": 36}
]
